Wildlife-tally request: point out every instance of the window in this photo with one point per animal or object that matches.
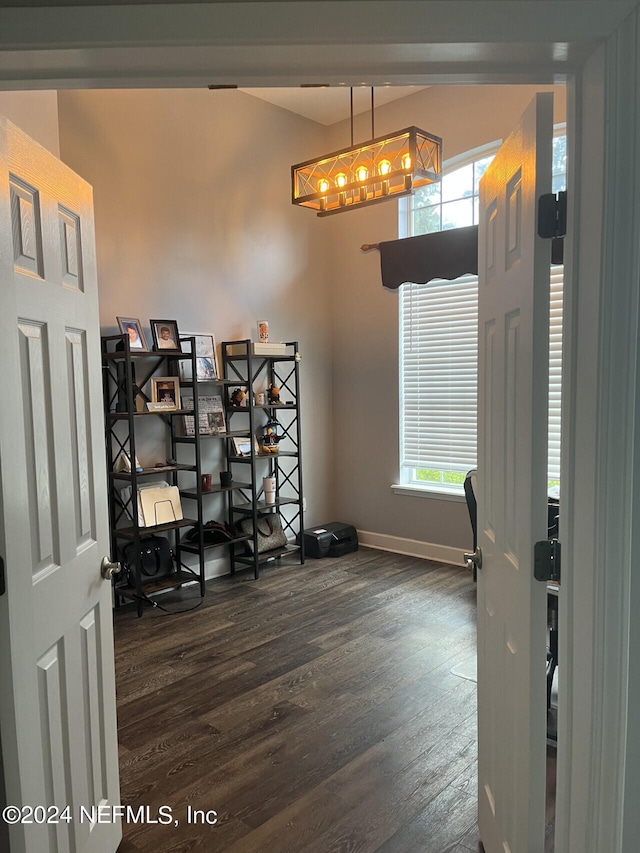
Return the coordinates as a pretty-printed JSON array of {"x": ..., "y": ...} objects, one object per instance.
[{"x": 439, "y": 343}]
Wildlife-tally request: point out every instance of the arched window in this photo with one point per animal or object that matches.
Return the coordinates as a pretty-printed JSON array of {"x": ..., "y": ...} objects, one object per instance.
[{"x": 439, "y": 339}]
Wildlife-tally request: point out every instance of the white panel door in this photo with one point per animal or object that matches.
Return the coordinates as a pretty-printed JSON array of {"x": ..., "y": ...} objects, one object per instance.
[
  {"x": 57, "y": 703},
  {"x": 513, "y": 375}
]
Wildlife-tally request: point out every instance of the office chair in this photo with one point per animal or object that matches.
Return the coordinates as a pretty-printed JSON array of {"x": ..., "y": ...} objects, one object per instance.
[
  {"x": 553, "y": 524},
  {"x": 470, "y": 488}
]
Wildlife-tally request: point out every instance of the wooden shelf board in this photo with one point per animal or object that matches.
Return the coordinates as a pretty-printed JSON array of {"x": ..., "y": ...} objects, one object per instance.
[
  {"x": 146, "y": 472},
  {"x": 129, "y": 532},
  {"x": 215, "y": 490},
  {"x": 194, "y": 549},
  {"x": 246, "y": 508},
  {"x": 175, "y": 580},
  {"x": 247, "y": 559}
]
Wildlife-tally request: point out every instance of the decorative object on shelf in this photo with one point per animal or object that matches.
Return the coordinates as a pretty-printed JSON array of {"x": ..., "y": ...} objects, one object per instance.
[
  {"x": 226, "y": 479},
  {"x": 270, "y": 532},
  {"x": 257, "y": 348},
  {"x": 165, "y": 335},
  {"x": 269, "y": 488},
  {"x": 273, "y": 395},
  {"x": 123, "y": 463},
  {"x": 263, "y": 331},
  {"x": 130, "y": 326},
  {"x": 205, "y": 480},
  {"x": 211, "y": 418},
  {"x": 160, "y": 407},
  {"x": 237, "y": 397},
  {"x": 270, "y": 438},
  {"x": 260, "y": 398},
  {"x": 385, "y": 167},
  {"x": 241, "y": 445},
  {"x": 156, "y": 503},
  {"x": 206, "y": 360},
  {"x": 159, "y": 505},
  {"x": 166, "y": 389}
]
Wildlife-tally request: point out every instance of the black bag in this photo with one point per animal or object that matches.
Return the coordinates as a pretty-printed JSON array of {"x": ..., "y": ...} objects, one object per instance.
[
  {"x": 153, "y": 561},
  {"x": 213, "y": 533}
]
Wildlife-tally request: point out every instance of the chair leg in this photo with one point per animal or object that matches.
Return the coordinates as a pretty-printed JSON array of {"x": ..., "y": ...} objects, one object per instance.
[{"x": 552, "y": 662}]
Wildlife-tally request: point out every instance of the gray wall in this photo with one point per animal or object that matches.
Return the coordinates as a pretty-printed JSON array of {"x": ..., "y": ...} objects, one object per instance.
[
  {"x": 194, "y": 222},
  {"x": 365, "y": 327},
  {"x": 36, "y": 113}
]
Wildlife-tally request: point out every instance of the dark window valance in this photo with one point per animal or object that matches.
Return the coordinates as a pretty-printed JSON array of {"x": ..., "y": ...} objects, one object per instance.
[{"x": 443, "y": 254}]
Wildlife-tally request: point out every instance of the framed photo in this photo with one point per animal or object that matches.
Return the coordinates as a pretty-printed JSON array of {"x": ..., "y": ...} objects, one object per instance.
[
  {"x": 206, "y": 360},
  {"x": 165, "y": 335},
  {"x": 166, "y": 391},
  {"x": 242, "y": 445},
  {"x": 130, "y": 326}
]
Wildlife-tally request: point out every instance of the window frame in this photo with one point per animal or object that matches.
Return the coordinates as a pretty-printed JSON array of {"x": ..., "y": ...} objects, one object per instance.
[{"x": 409, "y": 483}]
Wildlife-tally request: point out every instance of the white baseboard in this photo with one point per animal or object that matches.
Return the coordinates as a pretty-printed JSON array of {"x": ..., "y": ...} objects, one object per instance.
[
  {"x": 213, "y": 568},
  {"x": 381, "y": 541},
  {"x": 217, "y": 567},
  {"x": 412, "y": 547}
]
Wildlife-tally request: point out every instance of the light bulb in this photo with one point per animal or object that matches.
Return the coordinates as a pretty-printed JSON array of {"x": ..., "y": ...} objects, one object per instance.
[
  {"x": 341, "y": 181},
  {"x": 362, "y": 173},
  {"x": 384, "y": 167},
  {"x": 323, "y": 187},
  {"x": 406, "y": 161}
]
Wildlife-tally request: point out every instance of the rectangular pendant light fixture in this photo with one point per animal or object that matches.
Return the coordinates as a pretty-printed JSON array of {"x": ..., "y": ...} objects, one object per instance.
[{"x": 387, "y": 167}]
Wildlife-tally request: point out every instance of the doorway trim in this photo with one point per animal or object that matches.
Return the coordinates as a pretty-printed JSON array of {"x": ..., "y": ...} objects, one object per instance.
[{"x": 597, "y": 779}]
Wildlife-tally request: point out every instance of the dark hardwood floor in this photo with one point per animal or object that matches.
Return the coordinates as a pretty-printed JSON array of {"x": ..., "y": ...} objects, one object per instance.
[{"x": 313, "y": 710}]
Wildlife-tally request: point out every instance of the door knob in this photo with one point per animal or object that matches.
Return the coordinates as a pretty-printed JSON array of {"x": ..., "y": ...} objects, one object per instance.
[
  {"x": 109, "y": 569},
  {"x": 474, "y": 560}
]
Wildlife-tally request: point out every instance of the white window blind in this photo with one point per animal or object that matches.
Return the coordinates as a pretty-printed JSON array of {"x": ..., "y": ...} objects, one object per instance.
[
  {"x": 439, "y": 354},
  {"x": 439, "y": 329},
  {"x": 555, "y": 372},
  {"x": 439, "y": 342}
]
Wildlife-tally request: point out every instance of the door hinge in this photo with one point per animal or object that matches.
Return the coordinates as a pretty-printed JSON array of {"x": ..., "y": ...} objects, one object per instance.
[
  {"x": 3, "y": 586},
  {"x": 552, "y": 222},
  {"x": 546, "y": 560}
]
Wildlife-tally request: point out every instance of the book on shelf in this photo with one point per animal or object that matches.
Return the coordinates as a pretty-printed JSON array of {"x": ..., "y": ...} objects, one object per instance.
[{"x": 210, "y": 416}]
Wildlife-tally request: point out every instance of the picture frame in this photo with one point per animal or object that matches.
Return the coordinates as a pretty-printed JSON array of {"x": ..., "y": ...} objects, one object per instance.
[
  {"x": 166, "y": 390},
  {"x": 242, "y": 445},
  {"x": 132, "y": 327},
  {"x": 206, "y": 358},
  {"x": 166, "y": 337}
]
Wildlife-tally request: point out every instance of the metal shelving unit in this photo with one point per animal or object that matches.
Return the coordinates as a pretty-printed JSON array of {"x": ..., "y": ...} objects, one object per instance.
[{"x": 257, "y": 372}]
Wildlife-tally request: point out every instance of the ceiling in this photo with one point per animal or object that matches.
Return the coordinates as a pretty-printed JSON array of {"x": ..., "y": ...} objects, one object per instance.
[
  {"x": 46, "y": 44},
  {"x": 330, "y": 105}
]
